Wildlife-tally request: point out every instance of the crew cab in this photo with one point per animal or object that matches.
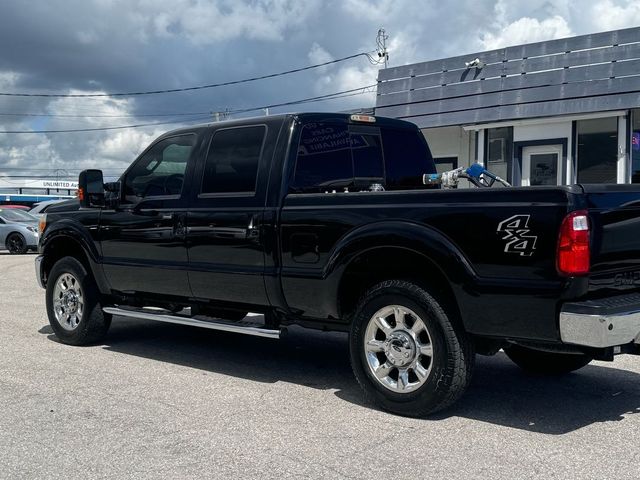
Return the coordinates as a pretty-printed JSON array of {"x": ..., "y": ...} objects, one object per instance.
[{"x": 323, "y": 220}]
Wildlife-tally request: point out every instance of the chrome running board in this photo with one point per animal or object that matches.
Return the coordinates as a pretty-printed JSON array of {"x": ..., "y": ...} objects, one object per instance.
[{"x": 214, "y": 324}]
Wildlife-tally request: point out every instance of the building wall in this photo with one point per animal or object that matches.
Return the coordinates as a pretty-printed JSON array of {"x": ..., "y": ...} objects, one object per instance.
[
  {"x": 571, "y": 76},
  {"x": 450, "y": 142},
  {"x": 554, "y": 128}
]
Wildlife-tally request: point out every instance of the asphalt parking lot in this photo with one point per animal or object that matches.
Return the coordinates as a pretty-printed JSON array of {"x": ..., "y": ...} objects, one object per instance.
[{"x": 166, "y": 401}]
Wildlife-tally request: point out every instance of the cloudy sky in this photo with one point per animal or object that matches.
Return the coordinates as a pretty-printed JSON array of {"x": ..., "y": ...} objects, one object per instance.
[{"x": 106, "y": 46}]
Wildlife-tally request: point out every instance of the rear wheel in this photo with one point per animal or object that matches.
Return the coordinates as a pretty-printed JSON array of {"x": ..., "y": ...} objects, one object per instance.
[
  {"x": 546, "y": 363},
  {"x": 409, "y": 355},
  {"x": 16, "y": 244},
  {"x": 73, "y": 304}
]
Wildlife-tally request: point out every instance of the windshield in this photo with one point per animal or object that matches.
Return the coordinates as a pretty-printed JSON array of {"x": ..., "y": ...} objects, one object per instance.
[{"x": 15, "y": 215}]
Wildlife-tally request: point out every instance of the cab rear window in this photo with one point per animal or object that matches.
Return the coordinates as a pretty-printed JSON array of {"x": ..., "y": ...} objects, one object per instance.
[
  {"x": 407, "y": 158},
  {"x": 340, "y": 157}
]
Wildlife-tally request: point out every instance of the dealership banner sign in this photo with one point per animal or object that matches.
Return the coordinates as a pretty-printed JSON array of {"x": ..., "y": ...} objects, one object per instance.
[{"x": 39, "y": 184}]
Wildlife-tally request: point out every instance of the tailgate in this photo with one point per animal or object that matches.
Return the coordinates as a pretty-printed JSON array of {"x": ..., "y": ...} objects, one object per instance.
[{"x": 614, "y": 211}]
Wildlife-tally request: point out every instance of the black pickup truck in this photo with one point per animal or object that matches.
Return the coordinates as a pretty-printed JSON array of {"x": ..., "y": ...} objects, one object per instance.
[{"x": 323, "y": 220}]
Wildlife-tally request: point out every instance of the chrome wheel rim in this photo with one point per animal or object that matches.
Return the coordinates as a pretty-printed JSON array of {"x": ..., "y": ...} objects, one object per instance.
[
  {"x": 68, "y": 301},
  {"x": 398, "y": 349}
]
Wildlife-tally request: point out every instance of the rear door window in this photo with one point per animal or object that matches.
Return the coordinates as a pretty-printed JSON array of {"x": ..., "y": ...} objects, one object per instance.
[{"x": 233, "y": 160}]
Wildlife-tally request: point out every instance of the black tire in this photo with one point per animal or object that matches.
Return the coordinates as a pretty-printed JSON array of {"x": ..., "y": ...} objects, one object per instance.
[
  {"x": 451, "y": 364},
  {"x": 16, "y": 244},
  {"x": 546, "y": 363},
  {"x": 93, "y": 322}
]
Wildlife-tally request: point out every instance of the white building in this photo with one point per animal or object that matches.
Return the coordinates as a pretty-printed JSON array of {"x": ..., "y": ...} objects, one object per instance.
[{"x": 556, "y": 112}]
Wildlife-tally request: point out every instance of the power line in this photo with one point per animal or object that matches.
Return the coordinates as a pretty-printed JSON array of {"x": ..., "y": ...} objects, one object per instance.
[
  {"x": 49, "y": 170},
  {"x": 62, "y": 115},
  {"x": 61, "y": 177},
  {"x": 186, "y": 89},
  {"x": 346, "y": 93},
  {"x": 330, "y": 96},
  {"x": 187, "y": 114},
  {"x": 98, "y": 129}
]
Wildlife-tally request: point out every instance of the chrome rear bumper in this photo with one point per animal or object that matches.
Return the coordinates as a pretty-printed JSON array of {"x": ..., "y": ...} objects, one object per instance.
[{"x": 607, "y": 322}]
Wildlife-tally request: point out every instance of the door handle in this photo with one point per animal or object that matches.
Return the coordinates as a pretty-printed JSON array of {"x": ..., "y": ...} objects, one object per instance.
[
  {"x": 179, "y": 223},
  {"x": 253, "y": 230}
]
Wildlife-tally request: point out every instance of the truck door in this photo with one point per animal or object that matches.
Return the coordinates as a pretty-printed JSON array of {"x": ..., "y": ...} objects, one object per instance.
[
  {"x": 225, "y": 239},
  {"x": 144, "y": 239}
]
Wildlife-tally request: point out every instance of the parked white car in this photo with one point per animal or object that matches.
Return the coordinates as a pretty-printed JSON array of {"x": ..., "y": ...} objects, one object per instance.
[{"x": 18, "y": 230}]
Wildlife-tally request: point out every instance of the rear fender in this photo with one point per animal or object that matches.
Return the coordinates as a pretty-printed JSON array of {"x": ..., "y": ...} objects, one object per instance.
[{"x": 423, "y": 240}]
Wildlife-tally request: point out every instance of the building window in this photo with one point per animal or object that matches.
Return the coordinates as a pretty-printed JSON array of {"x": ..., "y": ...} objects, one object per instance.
[
  {"x": 499, "y": 158},
  {"x": 635, "y": 147},
  {"x": 597, "y": 142}
]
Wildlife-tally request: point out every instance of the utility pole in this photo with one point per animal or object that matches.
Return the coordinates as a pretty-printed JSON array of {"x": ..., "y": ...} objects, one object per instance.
[
  {"x": 59, "y": 172},
  {"x": 381, "y": 41}
]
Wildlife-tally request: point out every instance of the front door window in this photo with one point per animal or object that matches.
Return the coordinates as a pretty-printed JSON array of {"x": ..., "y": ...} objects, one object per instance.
[
  {"x": 160, "y": 171},
  {"x": 541, "y": 165}
]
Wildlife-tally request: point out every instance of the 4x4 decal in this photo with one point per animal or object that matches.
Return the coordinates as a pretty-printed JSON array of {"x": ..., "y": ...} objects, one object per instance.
[{"x": 515, "y": 230}]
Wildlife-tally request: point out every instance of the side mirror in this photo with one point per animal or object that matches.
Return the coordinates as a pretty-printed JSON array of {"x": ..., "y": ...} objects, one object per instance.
[{"x": 91, "y": 189}]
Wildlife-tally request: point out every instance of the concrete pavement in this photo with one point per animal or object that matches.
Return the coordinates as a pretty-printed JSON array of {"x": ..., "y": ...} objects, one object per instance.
[{"x": 166, "y": 401}]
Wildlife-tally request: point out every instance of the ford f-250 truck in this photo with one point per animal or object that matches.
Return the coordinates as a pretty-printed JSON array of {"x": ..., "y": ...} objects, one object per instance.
[{"x": 323, "y": 220}]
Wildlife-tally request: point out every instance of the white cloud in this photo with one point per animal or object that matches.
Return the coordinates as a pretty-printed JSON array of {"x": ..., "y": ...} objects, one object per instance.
[
  {"x": 317, "y": 54},
  {"x": 205, "y": 22},
  {"x": 111, "y": 150},
  {"x": 372, "y": 10},
  {"x": 527, "y": 30},
  {"x": 608, "y": 15},
  {"x": 8, "y": 79},
  {"x": 132, "y": 45}
]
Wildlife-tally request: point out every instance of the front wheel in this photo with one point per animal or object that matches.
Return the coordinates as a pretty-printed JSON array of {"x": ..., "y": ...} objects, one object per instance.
[
  {"x": 546, "y": 363},
  {"x": 73, "y": 304},
  {"x": 16, "y": 244},
  {"x": 409, "y": 355}
]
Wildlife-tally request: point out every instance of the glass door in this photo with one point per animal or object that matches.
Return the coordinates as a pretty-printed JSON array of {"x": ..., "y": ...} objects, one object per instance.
[{"x": 541, "y": 165}]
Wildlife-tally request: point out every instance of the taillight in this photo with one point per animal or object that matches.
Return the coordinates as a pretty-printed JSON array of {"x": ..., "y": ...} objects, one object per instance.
[{"x": 574, "y": 252}]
